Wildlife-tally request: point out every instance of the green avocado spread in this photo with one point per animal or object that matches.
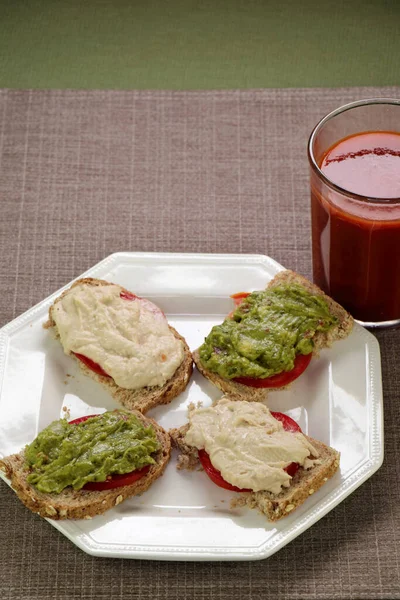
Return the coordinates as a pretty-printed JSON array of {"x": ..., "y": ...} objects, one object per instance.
[
  {"x": 64, "y": 454},
  {"x": 266, "y": 332}
]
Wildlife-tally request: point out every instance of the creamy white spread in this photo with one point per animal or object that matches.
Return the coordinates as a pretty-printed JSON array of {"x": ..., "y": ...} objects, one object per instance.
[
  {"x": 247, "y": 445},
  {"x": 129, "y": 339}
]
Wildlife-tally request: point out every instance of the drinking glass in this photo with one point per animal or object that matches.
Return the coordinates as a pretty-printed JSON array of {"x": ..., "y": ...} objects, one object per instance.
[{"x": 355, "y": 237}]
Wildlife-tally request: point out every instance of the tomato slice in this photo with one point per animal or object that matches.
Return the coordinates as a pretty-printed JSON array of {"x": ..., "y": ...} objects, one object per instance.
[
  {"x": 215, "y": 475},
  {"x": 81, "y": 419},
  {"x": 147, "y": 304},
  {"x": 93, "y": 366},
  {"x": 301, "y": 363},
  {"x": 288, "y": 425},
  {"x": 113, "y": 481},
  {"x": 129, "y": 296},
  {"x": 116, "y": 480},
  {"x": 239, "y": 297}
]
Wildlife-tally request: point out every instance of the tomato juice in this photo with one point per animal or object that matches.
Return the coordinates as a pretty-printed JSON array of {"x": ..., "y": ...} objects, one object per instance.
[{"x": 355, "y": 205}]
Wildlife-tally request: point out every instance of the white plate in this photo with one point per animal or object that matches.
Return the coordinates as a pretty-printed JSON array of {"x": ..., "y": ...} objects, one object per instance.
[{"x": 184, "y": 516}]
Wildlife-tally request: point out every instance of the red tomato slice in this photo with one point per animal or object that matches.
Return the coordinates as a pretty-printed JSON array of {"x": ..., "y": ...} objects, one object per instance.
[
  {"x": 114, "y": 481},
  {"x": 301, "y": 363},
  {"x": 288, "y": 425},
  {"x": 147, "y": 304},
  {"x": 292, "y": 469},
  {"x": 129, "y": 296},
  {"x": 215, "y": 475},
  {"x": 239, "y": 297},
  {"x": 93, "y": 366},
  {"x": 81, "y": 419}
]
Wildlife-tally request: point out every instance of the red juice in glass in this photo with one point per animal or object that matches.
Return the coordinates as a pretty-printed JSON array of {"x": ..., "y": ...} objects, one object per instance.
[{"x": 355, "y": 206}]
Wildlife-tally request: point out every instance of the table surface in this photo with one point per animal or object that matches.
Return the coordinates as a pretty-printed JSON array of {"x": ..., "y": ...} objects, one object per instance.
[
  {"x": 192, "y": 44},
  {"x": 87, "y": 173}
]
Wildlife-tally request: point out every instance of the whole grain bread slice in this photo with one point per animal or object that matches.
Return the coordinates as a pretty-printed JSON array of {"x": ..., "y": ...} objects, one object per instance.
[
  {"x": 274, "y": 506},
  {"x": 141, "y": 399},
  {"x": 83, "y": 504},
  {"x": 321, "y": 340}
]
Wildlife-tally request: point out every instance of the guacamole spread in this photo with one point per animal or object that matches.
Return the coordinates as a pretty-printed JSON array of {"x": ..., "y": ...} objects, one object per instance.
[
  {"x": 66, "y": 454},
  {"x": 266, "y": 332}
]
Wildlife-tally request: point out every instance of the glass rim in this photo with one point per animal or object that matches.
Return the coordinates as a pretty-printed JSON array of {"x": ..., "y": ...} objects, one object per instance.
[{"x": 314, "y": 164}]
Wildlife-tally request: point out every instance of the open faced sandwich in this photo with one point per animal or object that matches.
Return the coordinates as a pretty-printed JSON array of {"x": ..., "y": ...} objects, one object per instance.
[
  {"x": 122, "y": 341},
  {"x": 262, "y": 457},
  {"x": 80, "y": 469},
  {"x": 269, "y": 339}
]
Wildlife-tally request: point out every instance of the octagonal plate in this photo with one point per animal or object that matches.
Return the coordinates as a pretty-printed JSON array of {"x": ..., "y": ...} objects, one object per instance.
[{"x": 184, "y": 516}]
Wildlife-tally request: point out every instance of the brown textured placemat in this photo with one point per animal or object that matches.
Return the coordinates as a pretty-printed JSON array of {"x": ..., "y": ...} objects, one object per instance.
[{"x": 87, "y": 173}]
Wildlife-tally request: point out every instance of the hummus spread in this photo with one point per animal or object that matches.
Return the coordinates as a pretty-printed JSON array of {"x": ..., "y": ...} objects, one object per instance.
[
  {"x": 129, "y": 339},
  {"x": 247, "y": 445}
]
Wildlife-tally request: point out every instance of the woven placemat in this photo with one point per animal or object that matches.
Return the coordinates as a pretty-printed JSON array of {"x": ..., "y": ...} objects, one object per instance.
[{"x": 87, "y": 173}]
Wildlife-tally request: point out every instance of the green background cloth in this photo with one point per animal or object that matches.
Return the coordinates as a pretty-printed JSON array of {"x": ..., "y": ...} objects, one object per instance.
[{"x": 193, "y": 44}]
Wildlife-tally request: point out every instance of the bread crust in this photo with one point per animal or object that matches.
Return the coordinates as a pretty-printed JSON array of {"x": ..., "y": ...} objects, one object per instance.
[
  {"x": 273, "y": 506},
  {"x": 238, "y": 391},
  {"x": 142, "y": 399},
  {"x": 81, "y": 504}
]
